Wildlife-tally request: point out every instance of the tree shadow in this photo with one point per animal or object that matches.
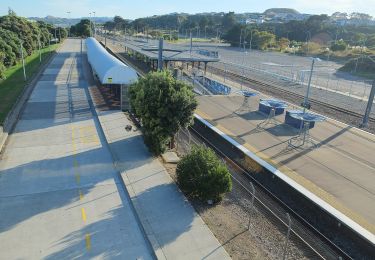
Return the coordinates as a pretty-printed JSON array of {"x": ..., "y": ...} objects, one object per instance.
[{"x": 29, "y": 182}]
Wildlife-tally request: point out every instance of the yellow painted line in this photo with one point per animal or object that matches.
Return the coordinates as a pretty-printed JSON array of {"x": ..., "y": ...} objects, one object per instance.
[
  {"x": 203, "y": 114},
  {"x": 78, "y": 178},
  {"x": 75, "y": 162},
  {"x": 88, "y": 241},
  {"x": 84, "y": 218},
  {"x": 80, "y": 194},
  {"x": 312, "y": 187}
]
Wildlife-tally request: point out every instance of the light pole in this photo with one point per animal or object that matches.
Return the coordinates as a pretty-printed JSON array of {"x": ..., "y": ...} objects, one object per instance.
[
  {"x": 23, "y": 62},
  {"x": 287, "y": 36},
  {"x": 307, "y": 41},
  {"x": 240, "y": 39},
  {"x": 69, "y": 35},
  {"x": 94, "y": 24},
  {"x": 40, "y": 53},
  {"x": 90, "y": 25},
  {"x": 251, "y": 39},
  {"x": 306, "y": 103}
]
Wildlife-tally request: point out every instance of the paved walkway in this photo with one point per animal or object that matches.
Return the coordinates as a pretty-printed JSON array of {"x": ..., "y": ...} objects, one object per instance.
[
  {"x": 60, "y": 195},
  {"x": 175, "y": 230}
]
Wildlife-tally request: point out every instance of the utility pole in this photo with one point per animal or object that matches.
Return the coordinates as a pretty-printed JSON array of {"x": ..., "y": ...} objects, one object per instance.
[
  {"x": 251, "y": 38},
  {"x": 93, "y": 20},
  {"x": 90, "y": 25},
  {"x": 306, "y": 99},
  {"x": 69, "y": 35},
  {"x": 160, "y": 56},
  {"x": 40, "y": 53},
  {"x": 23, "y": 62},
  {"x": 240, "y": 38},
  {"x": 369, "y": 106},
  {"x": 191, "y": 42}
]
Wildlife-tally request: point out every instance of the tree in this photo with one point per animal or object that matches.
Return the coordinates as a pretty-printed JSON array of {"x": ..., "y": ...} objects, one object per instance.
[
  {"x": 339, "y": 46},
  {"x": 263, "y": 39},
  {"x": 164, "y": 105},
  {"x": 232, "y": 36},
  {"x": 83, "y": 28},
  {"x": 119, "y": 22},
  {"x": 200, "y": 174},
  {"x": 229, "y": 19},
  {"x": 310, "y": 48},
  {"x": 109, "y": 25},
  {"x": 9, "y": 56},
  {"x": 283, "y": 43},
  {"x": 2, "y": 67},
  {"x": 371, "y": 41}
]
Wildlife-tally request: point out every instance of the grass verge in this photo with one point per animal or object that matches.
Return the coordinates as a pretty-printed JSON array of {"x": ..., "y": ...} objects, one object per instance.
[{"x": 13, "y": 85}]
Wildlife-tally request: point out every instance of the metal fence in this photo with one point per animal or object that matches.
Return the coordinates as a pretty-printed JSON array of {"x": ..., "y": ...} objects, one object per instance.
[
  {"x": 284, "y": 235},
  {"x": 328, "y": 85}
]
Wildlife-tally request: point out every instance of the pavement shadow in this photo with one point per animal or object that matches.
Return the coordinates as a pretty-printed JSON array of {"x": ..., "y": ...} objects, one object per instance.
[
  {"x": 26, "y": 184},
  {"x": 83, "y": 243},
  {"x": 282, "y": 130},
  {"x": 166, "y": 210}
]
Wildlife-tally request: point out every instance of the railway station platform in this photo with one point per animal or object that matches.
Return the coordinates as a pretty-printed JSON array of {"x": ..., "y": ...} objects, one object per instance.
[
  {"x": 338, "y": 173},
  {"x": 171, "y": 224}
]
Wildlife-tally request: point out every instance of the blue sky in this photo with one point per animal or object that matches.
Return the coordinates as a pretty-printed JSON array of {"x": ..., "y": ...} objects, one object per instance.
[{"x": 139, "y": 8}]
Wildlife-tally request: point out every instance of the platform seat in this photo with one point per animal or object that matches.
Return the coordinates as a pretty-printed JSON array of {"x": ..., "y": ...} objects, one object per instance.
[
  {"x": 296, "y": 123},
  {"x": 267, "y": 109}
]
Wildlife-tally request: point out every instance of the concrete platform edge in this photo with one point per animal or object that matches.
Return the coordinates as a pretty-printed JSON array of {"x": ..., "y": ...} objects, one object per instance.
[{"x": 324, "y": 205}]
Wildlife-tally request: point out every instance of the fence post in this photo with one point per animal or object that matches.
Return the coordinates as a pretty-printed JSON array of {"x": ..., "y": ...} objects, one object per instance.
[
  {"x": 369, "y": 105},
  {"x": 287, "y": 236},
  {"x": 252, "y": 203}
]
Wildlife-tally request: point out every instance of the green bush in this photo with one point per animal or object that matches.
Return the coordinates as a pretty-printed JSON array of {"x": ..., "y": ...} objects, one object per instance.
[
  {"x": 339, "y": 46},
  {"x": 164, "y": 105},
  {"x": 200, "y": 174}
]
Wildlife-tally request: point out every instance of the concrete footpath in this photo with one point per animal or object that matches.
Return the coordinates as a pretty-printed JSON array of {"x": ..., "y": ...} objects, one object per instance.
[
  {"x": 173, "y": 227},
  {"x": 60, "y": 195}
]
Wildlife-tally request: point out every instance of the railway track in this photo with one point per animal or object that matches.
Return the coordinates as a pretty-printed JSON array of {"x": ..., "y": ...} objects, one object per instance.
[
  {"x": 306, "y": 236},
  {"x": 275, "y": 90}
]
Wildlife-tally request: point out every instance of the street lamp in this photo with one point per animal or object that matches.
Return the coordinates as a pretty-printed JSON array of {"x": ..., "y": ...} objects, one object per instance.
[
  {"x": 308, "y": 37},
  {"x": 94, "y": 24},
  {"x": 251, "y": 38},
  {"x": 90, "y": 25},
  {"x": 69, "y": 35},
  {"x": 306, "y": 104}
]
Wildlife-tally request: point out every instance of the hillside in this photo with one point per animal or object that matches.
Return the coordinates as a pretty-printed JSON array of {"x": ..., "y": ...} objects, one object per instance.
[{"x": 280, "y": 11}]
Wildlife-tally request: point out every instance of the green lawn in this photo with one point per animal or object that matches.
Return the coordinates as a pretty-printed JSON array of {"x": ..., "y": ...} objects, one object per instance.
[{"x": 12, "y": 86}]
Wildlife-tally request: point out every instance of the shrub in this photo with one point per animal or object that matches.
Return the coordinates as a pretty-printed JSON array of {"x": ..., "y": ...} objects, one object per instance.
[
  {"x": 339, "y": 46},
  {"x": 200, "y": 174},
  {"x": 164, "y": 105},
  {"x": 310, "y": 48}
]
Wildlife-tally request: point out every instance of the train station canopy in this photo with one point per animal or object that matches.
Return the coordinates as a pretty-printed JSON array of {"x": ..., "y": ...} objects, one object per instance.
[{"x": 108, "y": 68}]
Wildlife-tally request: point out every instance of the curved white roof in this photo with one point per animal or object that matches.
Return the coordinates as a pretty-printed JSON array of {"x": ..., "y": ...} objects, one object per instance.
[{"x": 108, "y": 68}]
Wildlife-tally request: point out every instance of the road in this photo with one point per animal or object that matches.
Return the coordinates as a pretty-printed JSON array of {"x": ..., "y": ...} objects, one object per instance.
[{"x": 60, "y": 196}]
